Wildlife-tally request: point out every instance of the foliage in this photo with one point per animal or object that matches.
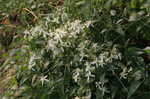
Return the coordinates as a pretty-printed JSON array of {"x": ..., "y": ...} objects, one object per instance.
[{"x": 84, "y": 49}]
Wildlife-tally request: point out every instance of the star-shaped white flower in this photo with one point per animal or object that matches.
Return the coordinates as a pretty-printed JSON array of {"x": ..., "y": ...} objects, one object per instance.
[{"x": 43, "y": 79}]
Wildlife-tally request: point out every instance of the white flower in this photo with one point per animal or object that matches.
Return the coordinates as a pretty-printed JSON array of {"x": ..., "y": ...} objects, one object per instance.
[
  {"x": 76, "y": 74},
  {"x": 88, "y": 23},
  {"x": 43, "y": 79},
  {"x": 51, "y": 44},
  {"x": 32, "y": 61},
  {"x": 89, "y": 70},
  {"x": 113, "y": 12},
  {"x": 133, "y": 17},
  {"x": 89, "y": 75},
  {"x": 125, "y": 72}
]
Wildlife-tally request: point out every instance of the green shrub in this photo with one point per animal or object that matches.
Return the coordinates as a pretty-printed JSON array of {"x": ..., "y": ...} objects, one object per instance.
[{"x": 86, "y": 50}]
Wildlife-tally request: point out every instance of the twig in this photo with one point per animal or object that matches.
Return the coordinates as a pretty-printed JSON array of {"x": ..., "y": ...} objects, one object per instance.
[{"x": 35, "y": 17}]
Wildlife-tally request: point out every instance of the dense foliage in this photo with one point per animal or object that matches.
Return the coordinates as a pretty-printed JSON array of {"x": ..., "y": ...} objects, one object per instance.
[{"x": 75, "y": 49}]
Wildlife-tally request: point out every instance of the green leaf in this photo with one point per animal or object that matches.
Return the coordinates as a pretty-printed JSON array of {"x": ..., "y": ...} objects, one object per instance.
[
  {"x": 145, "y": 95},
  {"x": 147, "y": 51},
  {"x": 133, "y": 88},
  {"x": 133, "y": 3},
  {"x": 135, "y": 50}
]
